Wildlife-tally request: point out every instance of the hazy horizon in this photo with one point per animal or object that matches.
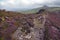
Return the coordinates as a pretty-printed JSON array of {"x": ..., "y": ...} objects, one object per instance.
[{"x": 27, "y": 4}]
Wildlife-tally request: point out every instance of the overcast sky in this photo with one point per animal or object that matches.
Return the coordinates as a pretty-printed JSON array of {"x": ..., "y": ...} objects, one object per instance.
[{"x": 26, "y": 4}]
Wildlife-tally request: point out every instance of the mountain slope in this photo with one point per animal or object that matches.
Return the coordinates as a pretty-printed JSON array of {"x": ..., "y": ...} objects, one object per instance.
[
  {"x": 35, "y": 10},
  {"x": 31, "y": 10}
]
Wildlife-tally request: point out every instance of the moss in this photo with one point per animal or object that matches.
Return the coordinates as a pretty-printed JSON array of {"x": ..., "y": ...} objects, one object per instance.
[{"x": 1, "y": 38}]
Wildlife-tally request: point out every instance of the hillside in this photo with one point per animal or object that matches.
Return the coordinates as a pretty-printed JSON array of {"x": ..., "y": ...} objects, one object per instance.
[
  {"x": 42, "y": 25},
  {"x": 35, "y": 10},
  {"x": 31, "y": 10}
]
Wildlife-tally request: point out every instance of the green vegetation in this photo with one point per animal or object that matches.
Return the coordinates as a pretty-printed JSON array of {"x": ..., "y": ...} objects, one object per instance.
[
  {"x": 53, "y": 8},
  {"x": 37, "y": 9},
  {"x": 31, "y": 11},
  {"x": 1, "y": 38},
  {"x": 1, "y": 14}
]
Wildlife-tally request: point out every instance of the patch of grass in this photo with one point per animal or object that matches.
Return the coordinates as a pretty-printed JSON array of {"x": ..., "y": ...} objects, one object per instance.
[{"x": 1, "y": 38}]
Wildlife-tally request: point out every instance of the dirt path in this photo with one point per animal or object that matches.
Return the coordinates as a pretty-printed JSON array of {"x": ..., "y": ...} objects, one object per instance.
[{"x": 40, "y": 27}]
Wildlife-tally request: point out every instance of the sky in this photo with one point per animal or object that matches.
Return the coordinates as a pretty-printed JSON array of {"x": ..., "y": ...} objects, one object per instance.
[{"x": 26, "y": 4}]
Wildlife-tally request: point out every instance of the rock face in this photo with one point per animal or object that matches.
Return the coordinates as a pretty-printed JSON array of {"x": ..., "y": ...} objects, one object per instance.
[{"x": 41, "y": 26}]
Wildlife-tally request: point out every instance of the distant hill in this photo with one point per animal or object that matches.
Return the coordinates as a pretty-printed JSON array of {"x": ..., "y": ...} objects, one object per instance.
[
  {"x": 35, "y": 10},
  {"x": 53, "y": 8},
  {"x": 31, "y": 10}
]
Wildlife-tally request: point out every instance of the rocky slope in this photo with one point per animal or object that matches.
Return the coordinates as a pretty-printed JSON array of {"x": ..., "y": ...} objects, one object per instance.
[{"x": 40, "y": 26}]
